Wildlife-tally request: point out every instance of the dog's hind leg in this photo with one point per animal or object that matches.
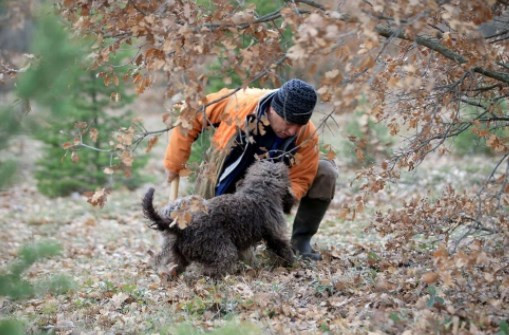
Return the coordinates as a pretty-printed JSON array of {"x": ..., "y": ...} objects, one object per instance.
[
  {"x": 171, "y": 257},
  {"x": 221, "y": 260},
  {"x": 180, "y": 263},
  {"x": 165, "y": 256},
  {"x": 175, "y": 264}
]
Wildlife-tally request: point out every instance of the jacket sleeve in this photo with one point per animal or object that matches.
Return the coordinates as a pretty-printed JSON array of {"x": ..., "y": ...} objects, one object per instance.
[
  {"x": 304, "y": 171},
  {"x": 180, "y": 139}
]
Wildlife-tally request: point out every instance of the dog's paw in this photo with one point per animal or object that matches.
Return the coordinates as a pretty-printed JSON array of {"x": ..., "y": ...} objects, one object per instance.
[
  {"x": 288, "y": 202},
  {"x": 169, "y": 272},
  {"x": 248, "y": 257}
]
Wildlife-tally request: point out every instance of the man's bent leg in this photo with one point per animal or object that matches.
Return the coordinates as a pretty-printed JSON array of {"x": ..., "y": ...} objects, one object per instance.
[{"x": 312, "y": 208}]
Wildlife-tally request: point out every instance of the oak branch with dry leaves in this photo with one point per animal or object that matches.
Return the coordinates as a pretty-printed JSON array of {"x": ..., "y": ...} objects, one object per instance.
[{"x": 430, "y": 70}]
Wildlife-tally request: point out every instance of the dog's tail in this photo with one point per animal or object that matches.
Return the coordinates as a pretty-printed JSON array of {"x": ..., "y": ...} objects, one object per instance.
[{"x": 158, "y": 222}]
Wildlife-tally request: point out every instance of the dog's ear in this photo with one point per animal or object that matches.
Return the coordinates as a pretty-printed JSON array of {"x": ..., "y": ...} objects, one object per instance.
[
  {"x": 288, "y": 201},
  {"x": 239, "y": 183},
  {"x": 282, "y": 171}
]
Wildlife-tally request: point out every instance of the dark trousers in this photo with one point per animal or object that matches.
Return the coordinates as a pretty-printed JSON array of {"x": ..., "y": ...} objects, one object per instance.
[
  {"x": 324, "y": 184},
  {"x": 312, "y": 208}
]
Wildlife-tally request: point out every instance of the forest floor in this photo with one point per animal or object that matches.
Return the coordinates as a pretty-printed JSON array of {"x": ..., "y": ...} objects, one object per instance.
[{"x": 359, "y": 287}]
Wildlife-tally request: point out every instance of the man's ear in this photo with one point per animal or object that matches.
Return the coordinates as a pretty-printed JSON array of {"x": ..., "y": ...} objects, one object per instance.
[{"x": 288, "y": 201}]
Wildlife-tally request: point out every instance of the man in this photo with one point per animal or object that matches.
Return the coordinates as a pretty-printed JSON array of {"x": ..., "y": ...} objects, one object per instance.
[{"x": 257, "y": 123}]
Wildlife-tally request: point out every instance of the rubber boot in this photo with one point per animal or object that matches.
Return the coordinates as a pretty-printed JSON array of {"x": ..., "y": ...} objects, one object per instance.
[{"x": 307, "y": 220}]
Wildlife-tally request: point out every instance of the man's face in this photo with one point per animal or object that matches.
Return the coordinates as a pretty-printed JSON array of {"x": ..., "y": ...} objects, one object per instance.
[{"x": 282, "y": 128}]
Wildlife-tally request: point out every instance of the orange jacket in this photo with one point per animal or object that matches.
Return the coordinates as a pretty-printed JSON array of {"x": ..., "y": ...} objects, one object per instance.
[{"x": 230, "y": 113}]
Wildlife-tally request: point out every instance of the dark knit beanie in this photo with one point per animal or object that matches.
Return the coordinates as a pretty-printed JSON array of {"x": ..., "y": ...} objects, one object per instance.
[{"x": 295, "y": 101}]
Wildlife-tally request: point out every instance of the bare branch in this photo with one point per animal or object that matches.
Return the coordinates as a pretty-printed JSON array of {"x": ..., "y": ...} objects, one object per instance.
[
  {"x": 255, "y": 78},
  {"x": 505, "y": 38},
  {"x": 427, "y": 42},
  {"x": 473, "y": 103},
  {"x": 501, "y": 76},
  {"x": 81, "y": 144},
  {"x": 435, "y": 45},
  {"x": 490, "y": 177},
  {"x": 266, "y": 18},
  {"x": 309, "y": 3},
  {"x": 133, "y": 3},
  {"x": 485, "y": 88},
  {"x": 503, "y": 65},
  {"x": 491, "y": 119},
  {"x": 503, "y": 32}
]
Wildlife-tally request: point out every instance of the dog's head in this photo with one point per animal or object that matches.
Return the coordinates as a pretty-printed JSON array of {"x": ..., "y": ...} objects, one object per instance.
[{"x": 266, "y": 177}]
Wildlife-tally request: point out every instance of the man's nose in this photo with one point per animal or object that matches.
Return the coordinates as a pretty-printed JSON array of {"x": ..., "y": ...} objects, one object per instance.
[{"x": 292, "y": 130}]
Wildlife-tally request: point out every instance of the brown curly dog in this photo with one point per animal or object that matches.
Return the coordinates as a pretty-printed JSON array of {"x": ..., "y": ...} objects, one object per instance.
[{"x": 231, "y": 223}]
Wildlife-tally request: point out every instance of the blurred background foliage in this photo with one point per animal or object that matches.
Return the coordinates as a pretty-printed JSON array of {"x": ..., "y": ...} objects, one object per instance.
[
  {"x": 66, "y": 90},
  {"x": 365, "y": 141},
  {"x": 220, "y": 73},
  {"x": 12, "y": 283},
  {"x": 8, "y": 127},
  {"x": 470, "y": 143},
  {"x": 15, "y": 286}
]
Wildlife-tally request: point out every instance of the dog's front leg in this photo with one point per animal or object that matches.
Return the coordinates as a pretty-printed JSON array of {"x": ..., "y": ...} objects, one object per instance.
[
  {"x": 281, "y": 247},
  {"x": 248, "y": 257}
]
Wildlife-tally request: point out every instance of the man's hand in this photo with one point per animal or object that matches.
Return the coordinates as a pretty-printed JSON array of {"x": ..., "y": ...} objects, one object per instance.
[{"x": 170, "y": 176}]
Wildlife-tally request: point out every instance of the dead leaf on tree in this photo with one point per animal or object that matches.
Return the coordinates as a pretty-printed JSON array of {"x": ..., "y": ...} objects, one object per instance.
[
  {"x": 93, "y": 133},
  {"x": 151, "y": 143},
  {"x": 127, "y": 158},
  {"x": 98, "y": 198}
]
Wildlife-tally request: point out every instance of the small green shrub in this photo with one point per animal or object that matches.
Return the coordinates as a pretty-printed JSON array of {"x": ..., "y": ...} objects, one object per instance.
[
  {"x": 368, "y": 140},
  {"x": 468, "y": 143},
  {"x": 57, "y": 175},
  {"x": 81, "y": 106},
  {"x": 56, "y": 284},
  {"x": 9, "y": 127},
  {"x": 12, "y": 327},
  {"x": 14, "y": 286},
  {"x": 29, "y": 254},
  {"x": 504, "y": 328},
  {"x": 7, "y": 172}
]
